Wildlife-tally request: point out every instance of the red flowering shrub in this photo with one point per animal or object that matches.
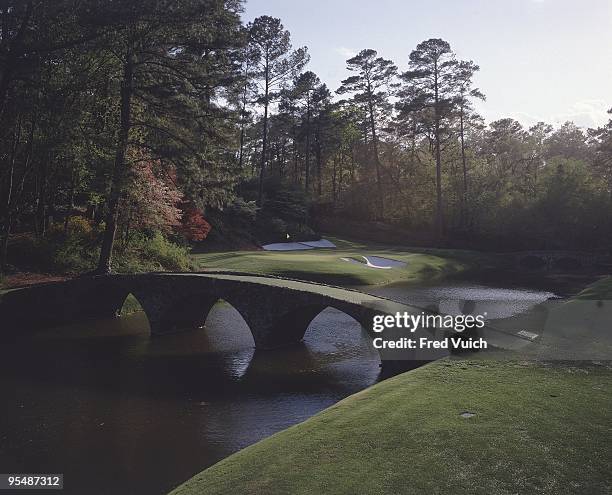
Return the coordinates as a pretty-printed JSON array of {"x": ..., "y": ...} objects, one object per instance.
[{"x": 194, "y": 226}]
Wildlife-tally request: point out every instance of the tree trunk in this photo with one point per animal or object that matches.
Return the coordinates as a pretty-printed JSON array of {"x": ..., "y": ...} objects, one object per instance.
[
  {"x": 6, "y": 75},
  {"x": 8, "y": 221},
  {"x": 296, "y": 165},
  {"x": 307, "y": 164},
  {"x": 40, "y": 219},
  {"x": 319, "y": 165},
  {"x": 242, "y": 118},
  {"x": 241, "y": 152},
  {"x": 381, "y": 205},
  {"x": 464, "y": 198},
  {"x": 264, "y": 143},
  {"x": 340, "y": 174},
  {"x": 439, "y": 220},
  {"x": 70, "y": 200},
  {"x": 334, "y": 171},
  {"x": 118, "y": 177}
]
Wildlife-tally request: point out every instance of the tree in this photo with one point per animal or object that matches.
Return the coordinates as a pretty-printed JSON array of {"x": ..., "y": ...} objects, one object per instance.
[
  {"x": 152, "y": 199},
  {"x": 33, "y": 37},
  {"x": 244, "y": 93},
  {"x": 569, "y": 141},
  {"x": 276, "y": 63},
  {"x": 311, "y": 94},
  {"x": 464, "y": 93},
  {"x": 601, "y": 138},
  {"x": 161, "y": 50},
  {"x": 304, "y": 86},
  {"x": 371, "y": 87},
  {"x": 430, "y": 86},
  {"x": 323, "y": 127},
  {"x": 536, "y": 145}
]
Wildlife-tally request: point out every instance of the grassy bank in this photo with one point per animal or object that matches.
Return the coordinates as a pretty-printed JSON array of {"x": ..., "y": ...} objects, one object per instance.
[
  {"x": 600, "y": 290},
  {"x": 327, "y": 266},
  {"x": 536, "y": 429}
]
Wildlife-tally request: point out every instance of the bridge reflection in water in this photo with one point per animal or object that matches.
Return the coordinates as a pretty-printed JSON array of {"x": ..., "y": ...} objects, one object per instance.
[
  {"x": 120, "y": 412},
  {"x": 277, "y": 311}
]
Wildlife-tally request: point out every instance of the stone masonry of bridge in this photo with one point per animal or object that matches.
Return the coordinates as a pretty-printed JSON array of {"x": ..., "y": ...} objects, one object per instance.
[{"x": 277, "y": 311}]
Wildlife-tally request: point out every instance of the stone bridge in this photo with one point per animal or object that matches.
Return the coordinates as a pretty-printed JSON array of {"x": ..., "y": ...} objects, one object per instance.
[
  {"x": 557, "y": 260},
  {"x": 277, "y": 311}
]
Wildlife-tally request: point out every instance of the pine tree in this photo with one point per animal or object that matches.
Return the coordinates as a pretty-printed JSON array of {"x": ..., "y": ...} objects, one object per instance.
[
  {"x": 371, "y": 87},
  {"x": 430, "y": 88},
  {"x": 276, "y": 63}
]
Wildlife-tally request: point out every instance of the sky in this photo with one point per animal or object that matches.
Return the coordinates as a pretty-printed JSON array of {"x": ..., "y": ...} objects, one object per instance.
[{"x": 540, "y": 60}]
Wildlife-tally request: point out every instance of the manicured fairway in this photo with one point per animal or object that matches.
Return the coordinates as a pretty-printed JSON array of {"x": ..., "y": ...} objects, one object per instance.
[
  {"x": 327, "y": 266},
  {"x": 600, "y": 290},
  {"x": 532, "y": 429}
]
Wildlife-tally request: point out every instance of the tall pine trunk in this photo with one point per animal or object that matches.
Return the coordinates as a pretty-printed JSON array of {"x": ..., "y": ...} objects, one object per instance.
[
  {"x": 380, "y": 203},
  {"x": 307, "y": 164},
  {"x": 319, "y": 165},
  {"x": 242, "y": 120},
  {"x": 439, "y": 218},
  {"x": 264, "y": 143},
  {"x": 118, "y": 177},
  {"x": 464, "y": 197}
]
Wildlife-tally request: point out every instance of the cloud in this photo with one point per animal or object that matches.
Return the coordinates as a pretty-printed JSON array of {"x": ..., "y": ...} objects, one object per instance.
[
  {"x": 345, "y": 52},
  {"x": 589, "y": 113},
  {"x": 585, "y": 113}
]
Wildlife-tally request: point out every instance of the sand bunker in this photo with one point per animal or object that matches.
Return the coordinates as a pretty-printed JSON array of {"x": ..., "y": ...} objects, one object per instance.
[
  {"x": 376, "y": 262},
  {"x": 299, "y": 246}
]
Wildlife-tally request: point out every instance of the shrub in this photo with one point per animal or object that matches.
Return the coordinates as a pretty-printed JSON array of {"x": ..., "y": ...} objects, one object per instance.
[
  {"x": 73, "y": 251},
  {"x": 78, "y": 250},
  {"x": 287, "y": 204},
  {"x": 80, "y": 227},
  {"x": 151, "y": 253},
  {"x": 271, "y": 229},
  {"x": 194, "y": 226}
]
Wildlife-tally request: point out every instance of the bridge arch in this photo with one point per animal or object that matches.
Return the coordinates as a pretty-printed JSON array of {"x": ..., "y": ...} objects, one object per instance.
[
  {"x": 103, "y": 300},
  {"x": 132, "y": 306},
  {"x": 277, "y": 311},
  {"x": 223, "y": 308},
  {"x": 332, "y": 312}
]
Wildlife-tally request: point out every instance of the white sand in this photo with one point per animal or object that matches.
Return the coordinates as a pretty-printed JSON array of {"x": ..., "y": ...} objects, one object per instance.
[
  {"x": 299, "y": 246},
  {"x": 286, "y": 246},
  {"x": 377, "y": 262},
  {"x": 323, "y": 243}
]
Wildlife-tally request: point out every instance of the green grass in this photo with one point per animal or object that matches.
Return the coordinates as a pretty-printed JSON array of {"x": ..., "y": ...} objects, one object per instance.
[
  {"x": 600, "y": 290},
  {"x": 537, "y": 430},
  {"x": 130, "y": 306},
  {"x": 326, "y": 265}
]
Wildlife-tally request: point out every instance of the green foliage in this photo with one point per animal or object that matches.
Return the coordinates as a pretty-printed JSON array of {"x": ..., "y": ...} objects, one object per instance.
[
  {"x": 77, "y": 249},
  {"x": 130, "y": 306},
  {"x": 286, "y": 203},
  {"x": 232, "y": 227},
  {"x": 569, "y": 208},
  {"x": 121, "y": 85},
  {"x": 284, "y": 213},
  {"x": 116, "y": 81},
  {"x": 150, "y": 254},
  {"x": 72, "y": 251}
]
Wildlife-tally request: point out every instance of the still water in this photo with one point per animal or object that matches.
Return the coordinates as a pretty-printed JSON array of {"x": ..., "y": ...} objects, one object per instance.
[{"x": 120, "y": 413}]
